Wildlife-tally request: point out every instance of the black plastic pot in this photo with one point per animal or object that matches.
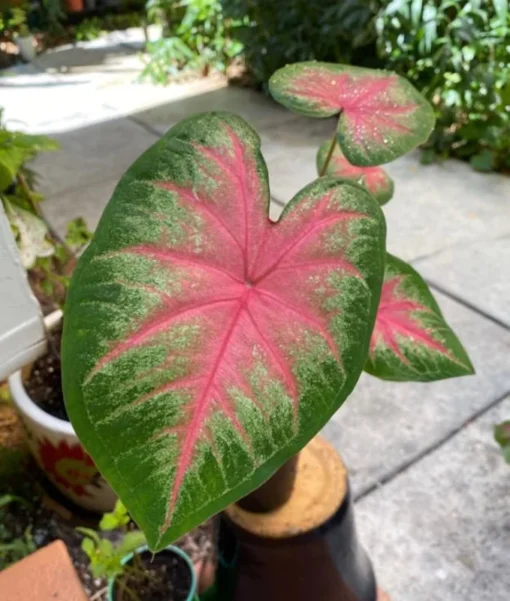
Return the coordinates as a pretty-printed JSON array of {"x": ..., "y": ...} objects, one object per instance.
[{"x": 325, "y": 563}]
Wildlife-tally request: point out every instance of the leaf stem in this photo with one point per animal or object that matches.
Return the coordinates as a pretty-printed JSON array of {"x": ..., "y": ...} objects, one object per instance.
[
  {"x": 328, "y": 158},
  {"x": 331, "y": 149}
]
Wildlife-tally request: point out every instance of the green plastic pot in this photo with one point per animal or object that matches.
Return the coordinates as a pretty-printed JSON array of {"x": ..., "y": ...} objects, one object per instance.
[{"x": 192, "y": 596}]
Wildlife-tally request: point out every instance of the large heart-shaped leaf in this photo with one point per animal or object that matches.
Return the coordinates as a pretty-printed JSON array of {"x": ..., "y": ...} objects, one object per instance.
[
  {"x": 204, "y": 344},
  {"x": 382, "y": 115},
  {"x": 411, "y": 340},
  {"x": 374, "y": 179}
]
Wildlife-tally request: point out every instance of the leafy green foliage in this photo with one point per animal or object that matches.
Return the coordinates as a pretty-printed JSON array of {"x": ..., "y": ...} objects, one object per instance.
[
  {"x": 42, "y": 251},
  {"x": 20, "y": 203},
  {"x": 106, "y": 557},
  {"x": 78, "y": 234},
  {"x": 88, "y": 29},
  {"x": 118, "y": 518},
  {"x": 502, "y": 436},
  {"x": 13, "y": 549},
  {"x": 16, "y": 149},
  {"x": 278, "y": 33},
  {"x": 197, "y": 37},
  {"x": 456, "y": 54},
  {"x": 92, "y": 28}
]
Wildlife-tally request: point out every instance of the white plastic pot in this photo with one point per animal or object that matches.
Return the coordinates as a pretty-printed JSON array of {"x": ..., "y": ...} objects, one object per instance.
[
  {"x": 58, "y": 451},
  {"x": 26, "y": 47}
]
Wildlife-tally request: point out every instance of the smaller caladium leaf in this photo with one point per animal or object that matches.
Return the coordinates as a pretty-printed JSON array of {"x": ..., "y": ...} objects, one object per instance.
[
  {"x": 411, "y": 340},
  {"x": 374, "y": 179},
  {"x": 382, "y": 115},
  {"x": 502, "y": 436}
]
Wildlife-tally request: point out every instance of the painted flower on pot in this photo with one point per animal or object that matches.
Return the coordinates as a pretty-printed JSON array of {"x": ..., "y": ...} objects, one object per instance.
[{"x": 69, "y": 465}]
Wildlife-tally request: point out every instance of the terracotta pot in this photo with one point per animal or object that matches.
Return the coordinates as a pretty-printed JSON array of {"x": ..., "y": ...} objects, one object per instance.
[
  {"x": 192, "y": 595},
  {"x": 57, "y": 450},
  {"x": 46, "y": 575},
  {"x": 74, "y": 6}
]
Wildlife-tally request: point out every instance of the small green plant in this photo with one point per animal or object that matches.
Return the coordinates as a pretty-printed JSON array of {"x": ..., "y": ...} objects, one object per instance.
[
  {"x": 43, "y": 252},
  {"x": 456, "y": 54},
  {"x": 13, "y": 549},
  {"x": 88, "y": 29},
  {"x": 106, "y": 557}
]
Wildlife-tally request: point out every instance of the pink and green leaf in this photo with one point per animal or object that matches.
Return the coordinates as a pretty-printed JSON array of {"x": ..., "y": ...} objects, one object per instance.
[
  {"x": 374, "y": 179},
  {"x": 411, "y": 340},
  {"x": 382, "y": 116},
  {"x": 204, "y": 344}
]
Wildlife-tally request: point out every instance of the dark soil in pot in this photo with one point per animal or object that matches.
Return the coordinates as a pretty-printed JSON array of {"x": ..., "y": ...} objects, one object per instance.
[
  {"x": 166, "y": 577},
  {"x": 44, "y": 384}
]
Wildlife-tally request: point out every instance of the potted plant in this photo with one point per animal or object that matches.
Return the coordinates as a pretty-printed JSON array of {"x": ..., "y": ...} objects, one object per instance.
[
  {"x": 23, "y": 38},
  {"x": 48, "y": 260},
  {"x": 205, "y": 345},
  {"x": 132, "y": 571}
]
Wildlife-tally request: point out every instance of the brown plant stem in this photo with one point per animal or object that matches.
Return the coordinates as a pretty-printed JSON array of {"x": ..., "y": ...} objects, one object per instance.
[{"x": 275, "y": 492}]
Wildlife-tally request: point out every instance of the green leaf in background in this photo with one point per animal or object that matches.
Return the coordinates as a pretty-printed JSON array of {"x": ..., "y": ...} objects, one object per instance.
[
  {"x": 78, "y": 234},
  {"x": 30, "y": 234},
  {"x": 502, "y": 436},
  {"x": 483, "y": 161},
  {"x": 118, "y": 518},
  {"x": 204, "y": 344},
  {"x": 382, "y": 116},
  {"x": 411, "y": 340},
  {"x": 16, "y": 148}
]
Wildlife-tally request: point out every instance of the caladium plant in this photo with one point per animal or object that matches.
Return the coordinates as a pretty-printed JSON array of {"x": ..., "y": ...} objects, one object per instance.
[{"x": 205, "y": 344}]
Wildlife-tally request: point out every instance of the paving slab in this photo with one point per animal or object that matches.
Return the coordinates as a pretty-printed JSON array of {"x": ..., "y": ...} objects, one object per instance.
[
  {"x": 38, "y": 102},
  {"x": 103, "y": 56},
  {"x": 87, "y": 202},
  {"x": 253, "y": 106},
  {"x": 289, "y": 150},
  {"x": 478, "y": 273},
  {"x": 94, "y": 153},
  {"x": 385, "y": 425},
  {"x": 130, "y": 98},
  {"x": 441, "y": 530},
  {"x": 444, "y": 205},
  {"x": 434, "y": 207}
]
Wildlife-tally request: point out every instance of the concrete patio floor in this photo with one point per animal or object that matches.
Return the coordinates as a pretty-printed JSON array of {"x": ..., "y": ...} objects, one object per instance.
[{"x": 433, "y": 493}]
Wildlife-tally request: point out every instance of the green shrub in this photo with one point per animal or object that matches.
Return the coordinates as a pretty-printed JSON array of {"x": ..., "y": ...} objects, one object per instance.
[
  {"x": 196, "y": 36},
  {"x": 276, "y": 33},
  {"x": 456, "y": 53}
]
